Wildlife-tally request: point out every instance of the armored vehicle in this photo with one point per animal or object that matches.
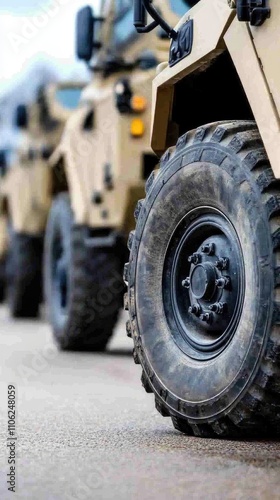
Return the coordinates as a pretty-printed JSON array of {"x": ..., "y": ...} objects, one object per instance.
[
  {"x": 99, "y": 171},
  {"x": 203, "y": 276},
  {"x": 26, "y": 192}
]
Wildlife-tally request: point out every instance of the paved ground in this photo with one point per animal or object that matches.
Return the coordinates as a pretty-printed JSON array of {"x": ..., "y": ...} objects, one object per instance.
[{"x": 86, "y": 430}]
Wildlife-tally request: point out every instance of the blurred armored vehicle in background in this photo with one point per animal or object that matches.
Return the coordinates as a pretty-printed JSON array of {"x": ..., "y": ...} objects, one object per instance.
[
  {"x": 99, "y": 170},
  {"x": 203, "y": 276},
  {"x": 26, "y": 192}
]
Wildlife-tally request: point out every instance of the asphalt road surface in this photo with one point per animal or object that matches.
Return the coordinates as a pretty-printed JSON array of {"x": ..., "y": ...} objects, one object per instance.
[{"x": 87, "y": 430}]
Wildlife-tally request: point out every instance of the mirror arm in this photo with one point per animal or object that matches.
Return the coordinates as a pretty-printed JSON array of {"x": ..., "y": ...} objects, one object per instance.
[
  {"x": 158, "y": 21},
  {"x": 97, "y": 45},
  {"x": 148, "y": 28}
]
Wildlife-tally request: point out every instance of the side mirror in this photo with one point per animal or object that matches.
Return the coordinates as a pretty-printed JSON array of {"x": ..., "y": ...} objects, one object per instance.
[
  {"x": 85, "y": 42},
  {"x": 21, "y": 116}
]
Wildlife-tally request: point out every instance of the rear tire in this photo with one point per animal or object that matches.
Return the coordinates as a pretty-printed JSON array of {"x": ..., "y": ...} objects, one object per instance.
[
  {"x": 24, "y": 275},
  {"x": 83, "y": 285},
  {"x": 213, "y": 370}
]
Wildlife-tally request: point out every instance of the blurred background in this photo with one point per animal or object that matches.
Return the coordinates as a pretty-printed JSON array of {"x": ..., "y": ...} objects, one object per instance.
[{"x": 37, "y": 40}]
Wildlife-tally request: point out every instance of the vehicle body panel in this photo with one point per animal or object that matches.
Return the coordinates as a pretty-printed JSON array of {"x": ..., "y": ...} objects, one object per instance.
[
  {"x": 26, "y": 187},
  {"x": 254, "y": 52},
  {"x": 84, "y": 155}
]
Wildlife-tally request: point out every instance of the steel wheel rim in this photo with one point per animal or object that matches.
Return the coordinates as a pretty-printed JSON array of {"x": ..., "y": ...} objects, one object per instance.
[{"x": 203, "y": 285}]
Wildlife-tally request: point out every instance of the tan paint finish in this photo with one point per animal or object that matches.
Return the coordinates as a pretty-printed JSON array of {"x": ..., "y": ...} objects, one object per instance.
[
  {"x": 208, "y": 43},
  {"x": 267, "y": 43},
  {"x": 85, "y": 153},
  {"x": 241, "y": 48},
  {"x": 26, "y": 188},
  {"x": 255, "y": 53}
]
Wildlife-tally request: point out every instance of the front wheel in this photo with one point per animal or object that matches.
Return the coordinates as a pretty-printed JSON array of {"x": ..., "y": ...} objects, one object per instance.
[{"x": 203, "y": 283}]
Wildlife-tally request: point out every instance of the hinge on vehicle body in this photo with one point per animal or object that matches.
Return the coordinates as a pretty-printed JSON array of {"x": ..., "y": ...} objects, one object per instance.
[{"x": 254, "y": 12}]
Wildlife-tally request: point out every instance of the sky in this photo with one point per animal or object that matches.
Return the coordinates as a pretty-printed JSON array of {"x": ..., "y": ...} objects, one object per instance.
[{"x": 32, "y": 30}]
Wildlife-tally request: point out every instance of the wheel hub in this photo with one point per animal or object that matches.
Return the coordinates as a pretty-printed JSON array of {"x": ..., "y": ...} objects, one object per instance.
[
  {"x": 202, "y": 281},
  {"x": 207, "y": 280}
]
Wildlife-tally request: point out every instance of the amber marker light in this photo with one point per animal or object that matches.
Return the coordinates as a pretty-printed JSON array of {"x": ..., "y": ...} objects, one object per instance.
[
  {"x": 137, "y": 128},
  {"x": 138, "y": 103}
]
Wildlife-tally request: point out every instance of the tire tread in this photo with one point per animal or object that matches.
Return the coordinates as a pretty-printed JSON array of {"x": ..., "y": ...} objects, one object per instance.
[{"x": 258, "y": 412}]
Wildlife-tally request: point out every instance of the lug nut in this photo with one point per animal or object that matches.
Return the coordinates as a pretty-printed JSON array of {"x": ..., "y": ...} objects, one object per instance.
[
  {"x": 222, "y": 263},
  {"x": 206, "y": 317},
  {"x": 209, "y": 249},
  {"x": 195, "y": 258},
  {"x": 218, "y": 307},
  {"x": 186, "y": 283},
  {"x": 195, "y": 309},
  {"x": 223, "y": 282}
]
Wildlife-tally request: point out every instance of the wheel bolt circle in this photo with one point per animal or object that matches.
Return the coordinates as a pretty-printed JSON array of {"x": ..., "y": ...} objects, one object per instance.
[
  {"x": 206, "y": 317},
  {"x": 195, "y": 258},
  {"x": 223, "y": 282},
  {"x": 218, "y": 307},
  {"x": 208, "y": 249},
  {"x": 222, "y": 263},
  {"x": 195, "y": 309},
  {"x": 186, "y": 283}
]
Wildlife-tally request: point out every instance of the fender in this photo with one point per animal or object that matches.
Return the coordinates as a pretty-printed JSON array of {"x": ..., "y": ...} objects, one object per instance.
[
  {"x": 254, "y": 62},
  {"x": 62, "y": 162},
  {"x": 207, "y": 44}
]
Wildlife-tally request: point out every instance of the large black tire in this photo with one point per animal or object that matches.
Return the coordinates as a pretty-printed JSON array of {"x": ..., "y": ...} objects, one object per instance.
[
  {"x": 24, "y": 275},
  {"x": 213, "y": 370},
  {"x": 83, "y": 285}
]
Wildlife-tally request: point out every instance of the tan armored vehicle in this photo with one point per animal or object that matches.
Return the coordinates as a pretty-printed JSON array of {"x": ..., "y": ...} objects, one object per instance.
[
  {"x": 26, "y": 193},
  {"x": 203, "y": 277},
  {"x": 100, "y": 169}
]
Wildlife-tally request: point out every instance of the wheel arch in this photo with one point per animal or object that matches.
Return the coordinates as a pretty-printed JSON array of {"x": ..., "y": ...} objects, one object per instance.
[
  {"x": 216, "y": 94},
  {"x": 239, "y": 92}
]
